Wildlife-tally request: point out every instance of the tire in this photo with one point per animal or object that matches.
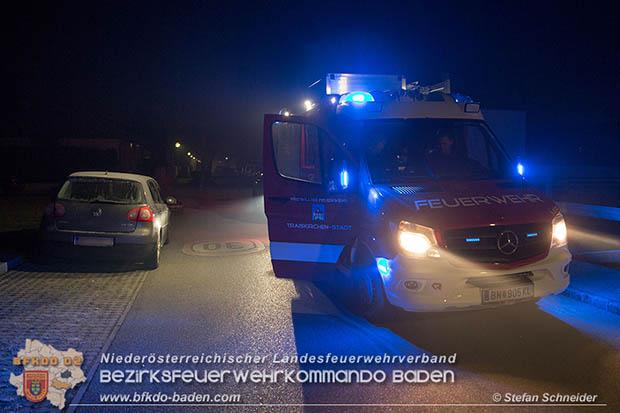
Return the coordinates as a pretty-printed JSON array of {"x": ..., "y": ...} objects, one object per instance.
[
  {"x": 365, "y": 294},
  {"x": 152, "y": 261}
]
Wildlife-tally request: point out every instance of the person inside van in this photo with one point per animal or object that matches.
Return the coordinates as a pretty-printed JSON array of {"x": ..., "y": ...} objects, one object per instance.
[
  {"x": 450, "y": 162},
  {"x": 446, "y": 144},
  {"x": 443, "y": 160}
]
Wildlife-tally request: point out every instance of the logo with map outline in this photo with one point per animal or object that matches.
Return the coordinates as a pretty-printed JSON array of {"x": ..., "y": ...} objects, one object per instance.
[{"x": 48, "y": 373}]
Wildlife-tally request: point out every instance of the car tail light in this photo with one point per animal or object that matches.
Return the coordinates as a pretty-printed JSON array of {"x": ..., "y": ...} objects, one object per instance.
[
  {"x": 55, "y": 210},
  {"x": 143, "y": 214},
  {"x": 133, "y": 213}
]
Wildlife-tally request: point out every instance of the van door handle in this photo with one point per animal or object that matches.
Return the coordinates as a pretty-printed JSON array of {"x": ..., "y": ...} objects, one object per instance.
[{"x": 278, "y": 198}]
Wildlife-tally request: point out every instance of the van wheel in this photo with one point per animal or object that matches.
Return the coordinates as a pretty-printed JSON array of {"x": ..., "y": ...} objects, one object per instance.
[
  {"x": 366, "y": 295},
  {"x": 152, "y": 262}
]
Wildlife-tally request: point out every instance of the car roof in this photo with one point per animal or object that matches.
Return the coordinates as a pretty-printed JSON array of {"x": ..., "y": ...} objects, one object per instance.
[{"x": 113, "y": 175}]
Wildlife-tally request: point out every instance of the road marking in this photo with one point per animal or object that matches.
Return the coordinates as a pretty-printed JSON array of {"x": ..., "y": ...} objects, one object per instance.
[{"x": 223, "y": 248}]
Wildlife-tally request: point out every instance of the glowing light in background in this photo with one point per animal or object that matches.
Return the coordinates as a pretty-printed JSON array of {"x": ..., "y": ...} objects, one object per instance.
[{"x": 520, "y": 168}]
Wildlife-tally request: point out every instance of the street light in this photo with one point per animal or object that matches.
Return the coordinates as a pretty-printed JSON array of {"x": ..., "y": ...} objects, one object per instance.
[
  {"x": 308, "y": 104},
  {"x": 189, "y": 154},
  {"x": 177, "y": 145}
]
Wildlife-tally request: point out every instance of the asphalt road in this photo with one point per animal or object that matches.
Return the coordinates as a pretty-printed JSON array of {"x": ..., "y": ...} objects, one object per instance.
[{"x": 199, "y": 301}]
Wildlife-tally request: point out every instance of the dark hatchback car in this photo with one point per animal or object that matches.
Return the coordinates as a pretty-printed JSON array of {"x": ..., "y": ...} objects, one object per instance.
[{"x": 107, "y": 215}]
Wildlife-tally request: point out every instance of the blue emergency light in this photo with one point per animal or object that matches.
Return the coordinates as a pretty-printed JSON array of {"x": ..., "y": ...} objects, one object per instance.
[
  {"x": 520, "y": 168},
  {"x": 357, "y": 97},
  {"x": 344, "y": 179},
  {"x": 383, "y": 265}
]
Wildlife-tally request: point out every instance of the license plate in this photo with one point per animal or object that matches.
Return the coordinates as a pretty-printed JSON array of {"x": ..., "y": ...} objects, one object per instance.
[
  {"x": 93, "y": 241},
  {"x": 496, "y": 295}
]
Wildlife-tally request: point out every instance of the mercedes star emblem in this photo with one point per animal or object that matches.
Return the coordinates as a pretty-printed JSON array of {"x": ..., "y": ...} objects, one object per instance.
[{"x": 507, "y": 242}]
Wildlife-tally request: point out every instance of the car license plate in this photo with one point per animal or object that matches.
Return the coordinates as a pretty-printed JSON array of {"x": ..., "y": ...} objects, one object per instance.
[
  {"x": 496, "y": 295},
  {"x": 93, "y": 241}
]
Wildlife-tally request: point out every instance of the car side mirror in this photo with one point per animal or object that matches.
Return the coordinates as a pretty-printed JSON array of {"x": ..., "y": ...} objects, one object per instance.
[{"x": 171, "y": 200}]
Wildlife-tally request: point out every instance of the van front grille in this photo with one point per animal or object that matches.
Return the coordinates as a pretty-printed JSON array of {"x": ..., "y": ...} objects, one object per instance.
[{"x": 482, "y": 244}]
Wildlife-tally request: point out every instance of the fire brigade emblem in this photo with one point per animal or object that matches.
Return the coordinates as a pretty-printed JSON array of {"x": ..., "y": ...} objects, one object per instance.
[
  {"x": 318, "y": 212},
  {"x": 36, "y": 385}
]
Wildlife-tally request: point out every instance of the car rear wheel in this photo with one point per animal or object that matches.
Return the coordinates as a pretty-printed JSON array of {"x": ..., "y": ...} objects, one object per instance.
[{"x": 152, "y": 262}]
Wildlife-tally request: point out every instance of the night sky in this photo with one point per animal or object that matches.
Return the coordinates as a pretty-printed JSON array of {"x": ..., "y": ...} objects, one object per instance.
[{"x": 189, "y": 70}]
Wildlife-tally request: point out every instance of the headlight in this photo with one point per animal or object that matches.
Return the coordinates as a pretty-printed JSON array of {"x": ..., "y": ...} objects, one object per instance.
[
  {"x": 417, "y": 239},
  {"x": 558, "y": 238}
]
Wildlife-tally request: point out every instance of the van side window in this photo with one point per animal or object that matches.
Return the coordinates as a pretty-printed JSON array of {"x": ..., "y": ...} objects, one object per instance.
[
  {"x": 333, "y": 163},
  {"x": 296, "y": 151}
]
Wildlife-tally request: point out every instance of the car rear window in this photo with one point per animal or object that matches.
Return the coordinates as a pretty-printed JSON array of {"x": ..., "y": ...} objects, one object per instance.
[{"x": 116, "y": 191}]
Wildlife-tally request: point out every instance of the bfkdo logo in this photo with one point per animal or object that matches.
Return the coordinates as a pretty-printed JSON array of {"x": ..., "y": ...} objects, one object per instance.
[
  {"x": 36, "y": 385},
  {"x": 47, "y": 373}
]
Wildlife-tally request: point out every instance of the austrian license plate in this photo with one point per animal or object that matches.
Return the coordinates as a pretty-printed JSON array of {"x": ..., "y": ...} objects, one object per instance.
[
  {"x": 497, "y": 295},
  {"x": 93, "y": 241}
]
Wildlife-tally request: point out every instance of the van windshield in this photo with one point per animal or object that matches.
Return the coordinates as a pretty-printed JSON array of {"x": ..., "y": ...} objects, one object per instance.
[
  {"x": 102, "y": 190},
  {"x": 405, "y": 150}
]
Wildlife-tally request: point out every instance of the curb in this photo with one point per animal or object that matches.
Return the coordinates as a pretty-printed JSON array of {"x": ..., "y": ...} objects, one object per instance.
[
  {"x": 588, "y": 298},
  {"x": 9, "y": 264}
]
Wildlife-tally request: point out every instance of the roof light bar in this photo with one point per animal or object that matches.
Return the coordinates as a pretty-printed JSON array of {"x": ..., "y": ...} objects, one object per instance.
[{"x": 357, "y": 97}]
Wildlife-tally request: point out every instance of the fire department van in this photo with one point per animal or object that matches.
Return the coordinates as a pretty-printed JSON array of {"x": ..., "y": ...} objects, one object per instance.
[{"x": 403, "y": 196}]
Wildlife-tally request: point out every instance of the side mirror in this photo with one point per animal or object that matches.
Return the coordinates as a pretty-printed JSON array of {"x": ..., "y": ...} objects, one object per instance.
[{"x": 171, "y": 200}]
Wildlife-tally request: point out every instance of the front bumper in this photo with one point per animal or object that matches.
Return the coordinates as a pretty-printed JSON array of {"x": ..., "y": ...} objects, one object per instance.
[
  {"x": 133, "y": 246},
  {"x": 443, "y": 286}
]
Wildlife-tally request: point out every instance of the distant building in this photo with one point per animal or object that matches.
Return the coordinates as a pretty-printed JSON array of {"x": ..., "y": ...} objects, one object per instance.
[{"x": 44, "y": 161}]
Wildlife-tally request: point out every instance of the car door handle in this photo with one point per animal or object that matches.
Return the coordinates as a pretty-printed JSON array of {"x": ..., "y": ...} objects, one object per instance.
[{"x": 278, "y": 198}]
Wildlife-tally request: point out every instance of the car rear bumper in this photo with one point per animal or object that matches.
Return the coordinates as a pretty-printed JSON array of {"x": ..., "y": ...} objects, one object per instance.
[
  {"x": 441, "y": 286},
  {"x": 135, "y": 246}
]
